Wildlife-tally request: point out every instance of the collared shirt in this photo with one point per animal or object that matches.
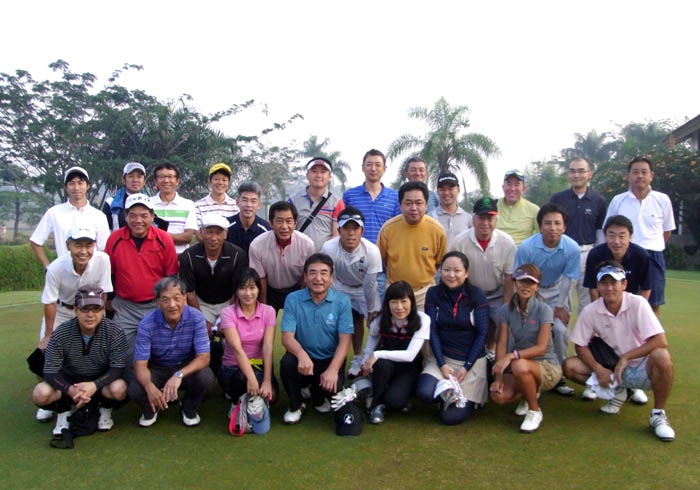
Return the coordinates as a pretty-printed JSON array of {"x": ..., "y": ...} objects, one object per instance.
[
  {"x": 317, "y": 326},
  {"x": 164, "y": 346},
  {"x": 433, "y": 201},
  {"x": 62, "y": 282},
  {"x": 487, "y": 268},
  {"x": 453, "y": 224},
  {"x": 207, "y": 205},
  {"x": 650, "y": 217},
  {"x": 215, "y": 285},
  {"x": 518, "y": 220},
  {"x": 61, "y": 218},
  {"x": 242, "y": 237},
  {"x": 524, "y": 333},
  {"x": 180, "y": 213},
  {"x": 319, "y": 230},
  {"x": 283, "y": 267},
  {"x": 136, "y": 271},
  {"x": 376, "y": 211},
  {"x": 251, "y": 330},
  {"x": 564, "y": 260},
  {"x": 116, "y": 220},
  {"x": 635, "y": 261},
  {"x": 633, "y": 325},
  {"x": 412, "y": 252},
  {"x": 586, "y": 214}
]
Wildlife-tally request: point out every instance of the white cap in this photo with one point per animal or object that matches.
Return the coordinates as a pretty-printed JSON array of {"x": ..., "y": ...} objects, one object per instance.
[
  {"x": 215, "y": 220},
  {"x": 612, "y": 271},
  {"x": 141, "y": 199},
  {"x": 131, "y": 166},
  {"x": 83, "y": 231},
  {"x": 72, "y": 170},
  {"x": 319, "y": 161}
]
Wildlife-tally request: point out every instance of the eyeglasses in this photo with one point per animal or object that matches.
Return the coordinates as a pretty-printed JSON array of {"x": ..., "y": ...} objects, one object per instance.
[{"x": 166, "y": 177}]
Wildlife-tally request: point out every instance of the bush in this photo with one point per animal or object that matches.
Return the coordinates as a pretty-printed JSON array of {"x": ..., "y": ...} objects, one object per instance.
[
  {"x": 675, "y": 257},
  {"x": 20, "y": 268}
]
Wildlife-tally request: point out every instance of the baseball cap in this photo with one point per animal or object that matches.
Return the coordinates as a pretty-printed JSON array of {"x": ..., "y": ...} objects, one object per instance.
[
  {"x": 75, "y": 170},
  {"x": 521, "y": 274},
  {"x": 135, "y": 199},
  {"x": 346, "y": 217},
  {"x": 515, "y": 173},
  {"x": 131, "y": 166},
  {"x": 613, "y": 271},
  {"x": 485, "y": 205},
  {"x": 258, "y": 415},
  {"x": 89, "y": 294},
  {"x": 447, "y": 178},
  {"x": 319, "y": 161},
  {"x": 348, "y": 420},
  {"x": 83, "y": 231},
  {"x": 215, "y": 220},
  {"x": 220, "y": 167}
]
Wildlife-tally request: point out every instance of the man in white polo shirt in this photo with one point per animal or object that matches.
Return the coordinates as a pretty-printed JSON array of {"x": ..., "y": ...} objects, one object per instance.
[
  {"x": 61, "y": 218},
  {"x": 179, "y": 212},
  {"x": 449, "y": 214}
]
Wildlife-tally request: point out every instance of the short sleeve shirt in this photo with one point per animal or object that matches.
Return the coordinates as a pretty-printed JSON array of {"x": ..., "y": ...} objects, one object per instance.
[
  {"x": 207, "y": 205},
  {"x": 650, "y": 217},
  {"x": 251, "y": 331},
  {"x": 453, "y": 224},
  {"x": 487, "y": 268},
  {"x": 213, "y": 285},
  {"x": 586, "y": 214},
  {"x": 524, "y": 332},
  {"x": 180, "y": 213},
  {"x": 635, "y": 261},
  {"x": 518, "y": 220},
  {"x": 242, "y": 237},
  {"x": 319, "y": 230},
  {"x": 351, "y": 268},
  {"x": 283, "y": 267},
  {"x": 377, "y": 211},
  {"x": 61, "y": 218},
  {"x": 564, "y": 260},
  {"x": 62, "y": 282}
]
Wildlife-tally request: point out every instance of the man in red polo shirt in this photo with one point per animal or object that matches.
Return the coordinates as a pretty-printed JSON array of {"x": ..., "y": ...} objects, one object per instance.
[{"x": 141, "y": 255}]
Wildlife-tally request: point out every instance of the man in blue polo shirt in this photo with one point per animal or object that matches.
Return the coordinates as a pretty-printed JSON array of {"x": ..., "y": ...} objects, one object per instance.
[
  {"x": 171, "y": 352},
  {"x": 316, "y": 331},
  {"x": 557, "y": 257}
]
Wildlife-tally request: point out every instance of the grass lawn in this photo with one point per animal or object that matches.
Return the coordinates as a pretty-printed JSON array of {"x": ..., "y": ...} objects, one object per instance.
[{"x": 576, "y": 447}]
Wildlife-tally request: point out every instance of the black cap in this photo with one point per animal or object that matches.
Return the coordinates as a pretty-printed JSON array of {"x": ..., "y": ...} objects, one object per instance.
[
  {"x": 486, "y": 205},
  {"x": 348, "y": 420},
  {"x": 447, "y": 178}
]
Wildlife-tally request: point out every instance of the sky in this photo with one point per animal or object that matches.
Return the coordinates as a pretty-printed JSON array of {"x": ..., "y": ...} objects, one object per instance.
[{"x": 532, "y": 73}]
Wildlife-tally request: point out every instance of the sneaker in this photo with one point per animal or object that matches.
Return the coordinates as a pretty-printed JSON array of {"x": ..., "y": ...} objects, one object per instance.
[
  {"x": 589, "y": 394},
  {"x": 532, "y": 421},
  {"x": 230, "y": 411},
  {"x": 614, "y": 406},
  {"x": 521, "y": 409},
  {"x": 355, "y": 367},
  {"x": 563, "y": 389},
  {"x": 61, "y": 422},
  {"x": 44, "y": 415},
  {"x": 376, "y": 415},
  {"x": 659, "y": 423},
  {"x": 639, "y": 397},
  {"x": 324, "y": 407},
  {"x": 147, "y": 422},
  {"x": 191, "y": 421},
  {"x": 306, "y": 393},
  {"x": 105, "y": 422},
  {"x": 406, "y": 408},
  {"x": 292, "y": 417}
]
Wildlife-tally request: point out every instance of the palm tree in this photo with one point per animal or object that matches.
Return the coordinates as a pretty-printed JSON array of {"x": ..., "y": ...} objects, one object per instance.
[
  {"x": 443, "y": 148},
  {"x": 594, "y": 147},
  {"x": 315, "y": 148}
]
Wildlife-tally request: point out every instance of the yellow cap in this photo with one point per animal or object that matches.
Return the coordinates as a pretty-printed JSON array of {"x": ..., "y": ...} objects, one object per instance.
[{"x": 220, "y": 166}]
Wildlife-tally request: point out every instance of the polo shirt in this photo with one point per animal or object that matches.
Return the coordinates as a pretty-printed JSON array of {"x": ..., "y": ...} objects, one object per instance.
[
  {"x": 629, "y": 329},
  {"x": 518, "y": 220},
  {"x": 317, "y": 327},
  {"x": 564, "y": 260},
  {"x": 487, "y": 268},
  {"x": 62, "y": 282},
  {"x": 412, "y": 252},
  {"x": 635, "y": 261},
  {"x": 650, "y": 217},
  {"x": 164, "y": 346},
  {"x": 135, "y": 272},
  {"x": 207, "y": 205},
  {"x": 283, "y": 267},
  {"x": 61, "y": 218},
  {"x": 524, "y": 333},
  {"x": 433, "y": 201},
  {"x": 319, "y": 230},
  {"x": 213, "y": 286},
  {"x": 242, "y": 237},
  {"x": 251, "y": 331},
  {"x": 452, "y": 224},
  {"x": 376, "y": 211},
  {"x": 180, "y": 213},
  {"x": 586, "y": 214}
]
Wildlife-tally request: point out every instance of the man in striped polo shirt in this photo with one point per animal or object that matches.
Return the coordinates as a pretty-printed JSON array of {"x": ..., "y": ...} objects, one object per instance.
[
  {"x": 179, "y": 212},
  {"x": 217, "y": 202},
  {"x": 84, "y": 360}
]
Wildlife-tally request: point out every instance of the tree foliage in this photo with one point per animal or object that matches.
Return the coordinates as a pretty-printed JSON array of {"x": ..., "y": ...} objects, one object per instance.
[{"x": 312, "y": 147}]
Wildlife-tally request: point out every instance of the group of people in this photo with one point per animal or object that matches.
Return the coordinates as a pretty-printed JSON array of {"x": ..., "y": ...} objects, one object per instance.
[{"x": 460, "y": 308}]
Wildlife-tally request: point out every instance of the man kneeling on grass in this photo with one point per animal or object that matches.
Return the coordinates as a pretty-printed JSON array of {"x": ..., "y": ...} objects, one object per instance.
[
  {"x": 84, "y": 360},
  {"x": 627, "y": 324}
]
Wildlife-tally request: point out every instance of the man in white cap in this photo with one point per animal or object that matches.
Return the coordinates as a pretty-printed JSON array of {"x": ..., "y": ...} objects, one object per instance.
[
  {"x": 61, "y": 218},
  {"x": 217, "y": 202},
  {"x": 178, "y": 211},
  {"x": 356, "y": 261},
  {"x": 317, "y": 206},
  {"x": 64, "y": 276},
  {"x": 626, "y": 323}
]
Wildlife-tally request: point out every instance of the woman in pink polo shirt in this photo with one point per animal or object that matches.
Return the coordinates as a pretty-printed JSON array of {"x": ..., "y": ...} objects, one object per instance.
[{"x": 249, "y": 329}]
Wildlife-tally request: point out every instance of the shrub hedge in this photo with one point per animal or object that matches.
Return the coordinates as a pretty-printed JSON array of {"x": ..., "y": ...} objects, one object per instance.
[{"x": 19, "y": 268}]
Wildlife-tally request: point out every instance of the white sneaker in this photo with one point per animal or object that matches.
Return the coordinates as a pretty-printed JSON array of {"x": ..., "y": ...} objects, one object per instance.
[
  {"x": 61, "y": 423},
  {"x": 659, "y": 423},
  {"x": 589, "y": 394},
  {"x": 44, "y": 415},
  {"x": 306, "y": 393},
  {"x": 639, "y": 397},
  {"x": 105, "y": 422},
  {"x": 614, "y": 406},
  {"x": 532, "y": 421},
  {"x": 292, "y": 417},
  {"x": 355, "y": 366},
  {"x": 376, "y": 416},
  {"x": 144, "y": 422},
  {"x": 191, "y": 421},
  {"x": 563, "y": 389},
  {"x": 521, "y": 408},
  {"x": 324, "y": 407}
]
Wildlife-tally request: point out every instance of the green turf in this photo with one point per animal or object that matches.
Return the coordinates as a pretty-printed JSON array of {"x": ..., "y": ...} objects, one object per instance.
[{"x": 575, "y": 447}]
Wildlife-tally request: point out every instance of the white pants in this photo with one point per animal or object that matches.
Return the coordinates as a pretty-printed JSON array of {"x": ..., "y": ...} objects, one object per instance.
[
  {"x": 63, "y": 314},
  {"x": 584, "y": 296},
  {"x": 560, "y": 333}
]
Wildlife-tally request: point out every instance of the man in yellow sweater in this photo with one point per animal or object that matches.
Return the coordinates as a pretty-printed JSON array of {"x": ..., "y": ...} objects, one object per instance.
[{"x": 412, "y": 244}]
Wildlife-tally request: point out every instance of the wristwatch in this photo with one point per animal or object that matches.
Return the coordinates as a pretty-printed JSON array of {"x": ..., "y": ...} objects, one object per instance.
[{"x": 178, "y": 374}]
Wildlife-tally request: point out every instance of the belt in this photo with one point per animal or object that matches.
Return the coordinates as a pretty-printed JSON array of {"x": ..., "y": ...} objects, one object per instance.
[
  {"x": 587, "y": 247},
  {"x": 492, "y": 292},
  {"x": 349, "y": 286},
  {"x": 144, "y": 302},
  {"x": 65, "y": 305}
]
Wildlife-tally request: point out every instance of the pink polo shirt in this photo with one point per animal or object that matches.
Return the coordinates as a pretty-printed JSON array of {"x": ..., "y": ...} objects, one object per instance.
[
  {"x": 630, "y": 328},
  {"x": 251, "y": 331}
]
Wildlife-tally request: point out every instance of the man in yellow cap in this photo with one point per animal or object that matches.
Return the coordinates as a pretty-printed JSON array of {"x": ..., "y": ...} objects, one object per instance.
[{"x": 217, "y": 202}]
